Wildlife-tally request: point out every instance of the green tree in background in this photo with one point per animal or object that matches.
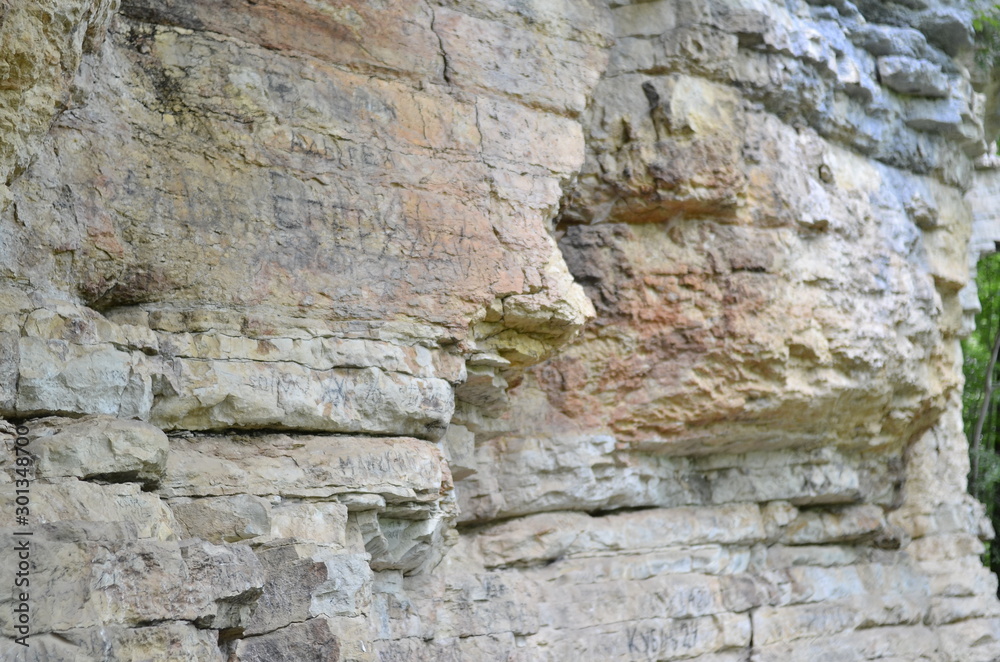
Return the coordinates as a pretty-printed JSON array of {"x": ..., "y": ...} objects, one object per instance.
[
  {"x": 986, "y": 23},
  {"x": 981, "y": 399}
]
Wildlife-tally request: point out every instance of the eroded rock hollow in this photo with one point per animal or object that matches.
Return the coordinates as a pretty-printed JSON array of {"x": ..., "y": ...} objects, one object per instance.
[{"x": 490, "y": 330}]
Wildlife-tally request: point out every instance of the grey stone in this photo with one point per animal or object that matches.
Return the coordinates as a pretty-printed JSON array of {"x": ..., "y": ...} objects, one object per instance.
[
  {"x": 888, "y": 40},
  {"x": 324, "y": 523},
  {"x": 223, "y": 519},
  {"x": 85, "y": 583},
  {"x": 948, "y": 28},
  {"x": 945, "y": 117},
  {"x": 223, "y": 395},
  {"x": 166, "y": 642},
  {"x": 459, "y": 449},
  {"x": 309, "y": 641},
  {"x": 60, "y": 377},
  {"x": 10, "y": 363},
  {"x": 231, "y": 577},
  {"x": 72, "y": 503},
  {"x": 99, "y": 447},
  {"x": 914, "y": 77},
  {"x": 305, "y": 581},
  {"x": 660, "y": 300}
]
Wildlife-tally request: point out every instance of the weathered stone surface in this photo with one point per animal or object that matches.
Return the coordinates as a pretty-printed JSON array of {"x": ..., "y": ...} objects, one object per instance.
[
  {"x": 672, "y": 292},
  {"x": 459, "y": 445},
  {"x": 359, "y": 36},
  {"x": 231, "y": 571},
  {"x": 535, "y": 77},
  {"x": 71, "y": 360},
  {"x": 399, "y": 470},
  {"x": 320, "y": 522},
  {"x": 895, "y": 643},
  {"x": 223, "y": 519},
  {"x": 402, "y": 544},
  {"x": 305, "y": 581},
  {"x": 492, "y": 330},
  {"x": 82, "y": 578},
  {"x": 306, "y": 177},
  {"x": 852, "y": 523},
  {"x": 168, "y": 642},
  {"x": 43, "y": 43},
  {"x": 550, "y": 536},
  {"x": 121, "y": 504},
  {"x": 310, "y": 641},
  {"x": 98, "y": 447},
  {"x": 911, "y": 76},
  {"x": 318, "y": 353},
  {"x": 225, "y": 395}
]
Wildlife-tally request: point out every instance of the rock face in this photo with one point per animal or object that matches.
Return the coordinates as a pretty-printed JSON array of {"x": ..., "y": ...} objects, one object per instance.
[{"x": 490, "y": 330}]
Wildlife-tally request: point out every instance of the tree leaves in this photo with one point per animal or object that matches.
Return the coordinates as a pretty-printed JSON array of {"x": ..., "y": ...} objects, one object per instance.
[{"x": 984, "y": 480}]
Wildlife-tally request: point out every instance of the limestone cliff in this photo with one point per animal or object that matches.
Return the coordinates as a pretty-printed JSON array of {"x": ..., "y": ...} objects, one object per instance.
[{"x": 490, "y": 330}]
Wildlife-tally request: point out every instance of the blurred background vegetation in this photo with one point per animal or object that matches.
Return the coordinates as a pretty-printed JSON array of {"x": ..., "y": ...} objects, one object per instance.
[
  {"x": 980, "y": 410},
  {"x": 981, "y": 400}
]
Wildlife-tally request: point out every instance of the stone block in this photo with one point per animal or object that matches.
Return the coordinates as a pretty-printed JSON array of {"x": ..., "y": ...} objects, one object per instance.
[
  {"x": 99, "y": 447},
  {"x": 889, "y": 40},
  {"x": 550, "y": 72},
  {"x": 207, "y": 395},
  {"x": 78, "y": 582},
  {"x": 655, "y": 638},
  {"x": 224, "y": 518},
  {"x": 854, "y": 523},
  {"x": 10, "y": 363},
  {"x": 361, "y": 35},
  {"x": 399, "y": 469},
  {"x": 459, "y": 448},
  {"x": 911, "y": 76},
  {"x": 230, "y": 577},
  {"x": 911, "y": 643},
  {"x": 61, "y": 377},
  {"x": 305, "y": 581},
  {"x": 141, "y": 513},
  {"x": 165, "y": 642},
  {"x": 532, "y": 539},
  {"x": 947, "y": 27},
  {"x": 974, "y": 640},
  {"x": 485, "y": 647},
  {"x": 308, "y": 641},
  {"x": 774, "y": 625},
  {"x": 323, "y": 523}
]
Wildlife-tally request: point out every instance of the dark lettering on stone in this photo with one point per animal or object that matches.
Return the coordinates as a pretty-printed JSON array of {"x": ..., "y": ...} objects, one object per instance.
[
  {"x": 334, "y": 390},
  {"x": 368, "y": 156},
  {"x": 630, "y": 633},
  {"x": 284, "y": 211}
]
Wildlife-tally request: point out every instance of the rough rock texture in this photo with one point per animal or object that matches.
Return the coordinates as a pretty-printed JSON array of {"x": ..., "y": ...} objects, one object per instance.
[{"x": 490, "y": 330}]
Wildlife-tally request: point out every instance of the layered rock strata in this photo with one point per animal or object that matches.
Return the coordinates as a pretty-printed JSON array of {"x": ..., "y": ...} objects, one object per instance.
[{"x": 490, "y": 330}]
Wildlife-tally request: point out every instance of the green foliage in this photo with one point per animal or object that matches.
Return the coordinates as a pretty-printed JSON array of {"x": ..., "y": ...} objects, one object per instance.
[
  {"x": 985, "y": 485},
  {"x": 987, "y": 20},
  {"x": 986, "y": 23}
]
